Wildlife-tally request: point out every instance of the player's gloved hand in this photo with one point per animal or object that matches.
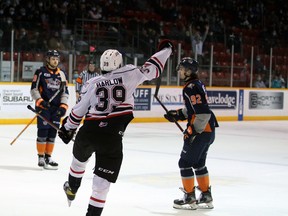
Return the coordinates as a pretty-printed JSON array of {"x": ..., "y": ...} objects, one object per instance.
[
  {"x": 189, "y": 134},
  {"x": 66, "y": 135},
  {"x": 42, "y": 104},
  {"x": 174, "y": 115},
  {"x": 166, "y": 43},
  {"x": 60, "y": 112}
]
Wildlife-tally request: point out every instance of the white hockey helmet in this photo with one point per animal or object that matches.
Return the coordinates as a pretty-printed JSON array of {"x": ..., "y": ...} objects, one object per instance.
[{"x": 110, "y": 60}]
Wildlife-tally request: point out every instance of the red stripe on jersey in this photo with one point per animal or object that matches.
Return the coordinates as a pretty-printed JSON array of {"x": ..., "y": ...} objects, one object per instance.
[
  {"x": 72, "y": 122},
  {"x": 146, "y": 64},
  {"x": 97, "y": 200},
  {"x": 158, "y": 61},
  {"x": 74, "y": 115},
  {"x": 125, "y": 104},
  {"x": 73, "y": 171},
  {"x": 157, "y": 73},
  {"x": 111, "y": 115}
]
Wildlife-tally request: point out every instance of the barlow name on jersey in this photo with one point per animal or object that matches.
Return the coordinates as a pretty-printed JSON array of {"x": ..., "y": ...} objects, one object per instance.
[{"x": 110, "y": 82}]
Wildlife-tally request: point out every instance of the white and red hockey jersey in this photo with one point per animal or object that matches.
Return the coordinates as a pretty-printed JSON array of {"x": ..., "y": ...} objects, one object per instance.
[{"x": 111, "y": 95}]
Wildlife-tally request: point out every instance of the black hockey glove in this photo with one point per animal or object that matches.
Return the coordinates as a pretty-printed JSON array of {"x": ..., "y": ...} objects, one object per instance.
[
  {"x": 166, "y": 43},
  {"x": 60, "y": 112},
  {"x": 66, "y": 135},
  {"x": 189, "y": 134},
  {"x": 174, "y": 115},
  {"x": 43, "y": 104}
]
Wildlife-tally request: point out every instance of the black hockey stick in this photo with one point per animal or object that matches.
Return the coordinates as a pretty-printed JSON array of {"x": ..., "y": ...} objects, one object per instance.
[
  {"x": 43, "y": 118},
  {"x": 48, "y": 122},
  {"x": 158, "y": 83}
]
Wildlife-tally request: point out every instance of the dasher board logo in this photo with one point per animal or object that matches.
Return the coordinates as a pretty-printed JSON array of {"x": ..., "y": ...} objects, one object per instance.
[
  {"x": 222, "y": 99},
  {"x": 16, "y": 97},
  {"x": 266, "y": 100},
  {"x": 28, "y": 69},
  {"x": 142, "y": 99}
]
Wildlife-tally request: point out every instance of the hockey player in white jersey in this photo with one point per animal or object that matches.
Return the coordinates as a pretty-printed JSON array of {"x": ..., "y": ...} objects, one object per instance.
[{"x": 106, "y": 103}]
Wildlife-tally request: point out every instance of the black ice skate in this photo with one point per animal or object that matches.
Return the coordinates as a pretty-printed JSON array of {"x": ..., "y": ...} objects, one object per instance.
[
  {"x": 71, "y": 194},
  {"x": 188, "y": 202},
  {"x": 49, "y": 163},
  {"x": 205, "y": 200},
  {"x": 41, "y": 161}
]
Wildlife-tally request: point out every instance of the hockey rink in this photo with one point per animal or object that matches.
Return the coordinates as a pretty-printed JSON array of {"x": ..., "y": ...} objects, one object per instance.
[{"x": 248, "y": 166}]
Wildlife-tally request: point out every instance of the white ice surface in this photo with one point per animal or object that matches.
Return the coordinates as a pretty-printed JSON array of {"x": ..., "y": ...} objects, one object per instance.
[{"x": 248, "y": 166}]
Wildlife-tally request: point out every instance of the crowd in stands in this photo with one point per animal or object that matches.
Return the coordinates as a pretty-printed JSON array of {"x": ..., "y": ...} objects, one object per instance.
[
  {"x": 42, "y": 25},
  {"x": 156, "y": 18}
]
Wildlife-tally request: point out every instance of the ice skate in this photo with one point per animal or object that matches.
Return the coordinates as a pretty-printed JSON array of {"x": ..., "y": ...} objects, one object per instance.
[
  {"x": 41, "y": 161},
  {"x": 50, "y": 164},
  {"x": 188, "y": 202},
  {"x": 205, "y": 200},
  {"x": 69, "y": 193}
]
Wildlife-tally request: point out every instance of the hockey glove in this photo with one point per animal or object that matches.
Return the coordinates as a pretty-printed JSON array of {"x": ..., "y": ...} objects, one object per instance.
[
  {"x": 175, "y": 115},
  {"x": 42, "y": 104},
  {"x": 66, "y": 135},
  {"x": 60, "y": 112},
  {"x": 189, "y": 134},
  {"x": 166, "y": 43}
]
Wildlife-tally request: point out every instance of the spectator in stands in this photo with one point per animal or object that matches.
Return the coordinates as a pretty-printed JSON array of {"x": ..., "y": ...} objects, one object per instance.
[
  {"x": 283, "y": 82},
  {"x": 245, "y": 72},
  {"x": 72, "y": 14},
  {"x": 70, "y": 43},
  {"x": 259, "y": 67},
  {"x": 54, "y": 15},
  {"x": 10, "y": 12},
  {"x": 7, "y": 27},
  {"x": 153, "y": 26},
  {"x": 2, "y": 16},
  {"x": 95, "y": 13},
  {"x": 55, "y": 42},
  {"x": 216, "y": 28},
  {"x": 21, "y": 40},
  {"x": 37, "y": 42},
  {"x": 276, "y": 82},
  {"x": 197, "y": 41},
  {"x": 259, "y": 83}
]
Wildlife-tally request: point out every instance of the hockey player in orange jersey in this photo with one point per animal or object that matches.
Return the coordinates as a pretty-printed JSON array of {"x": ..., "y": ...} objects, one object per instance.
[{"x": 198, "y": 136}]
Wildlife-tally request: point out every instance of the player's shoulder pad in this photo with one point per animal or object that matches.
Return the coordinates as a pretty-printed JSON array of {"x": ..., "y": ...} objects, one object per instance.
[{"x": 195, "y": 84}]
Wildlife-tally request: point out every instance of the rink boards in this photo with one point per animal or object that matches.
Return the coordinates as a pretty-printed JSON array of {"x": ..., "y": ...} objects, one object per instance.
[{"x": 229, "y": 104}]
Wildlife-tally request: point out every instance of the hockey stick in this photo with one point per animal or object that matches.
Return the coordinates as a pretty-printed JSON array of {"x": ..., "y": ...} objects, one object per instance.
[
  {"x": 31, "y": 121},
  {"x": 46, "y": 120},
  {"x": 43, "y": 118},
  {"x": 24, "y": 129},
  {"x": 158, "y": 83}
]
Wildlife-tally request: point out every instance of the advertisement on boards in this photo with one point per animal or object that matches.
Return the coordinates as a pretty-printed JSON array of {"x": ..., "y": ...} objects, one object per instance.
[
  {"x": 222, "y": 99},
  {"x": 266, "y": 100},
  {"x": 29, "y": 68},
  {"x": 142, "y": 99},
  {"x": 15, "y": 98}
]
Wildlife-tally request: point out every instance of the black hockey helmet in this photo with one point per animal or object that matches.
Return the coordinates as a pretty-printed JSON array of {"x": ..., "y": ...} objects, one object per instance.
[
  {"x": 52, "y": 53},
  {"x": 191, "y": 67}
]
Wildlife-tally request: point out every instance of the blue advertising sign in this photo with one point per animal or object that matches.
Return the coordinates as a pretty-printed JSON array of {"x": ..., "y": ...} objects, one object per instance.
[
  {"x": 222, "y": 99},
  {"x": 142, "y": 99},
  {"x": 241, "y": 105}
]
